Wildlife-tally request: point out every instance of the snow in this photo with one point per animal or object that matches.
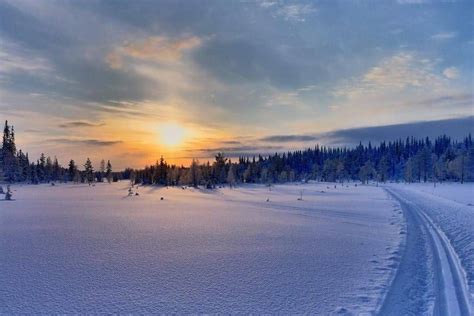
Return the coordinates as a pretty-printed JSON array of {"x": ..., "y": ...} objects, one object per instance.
[
  {"x": 81, "y": 249},
  {"x": 441, "y": 238},
  {"x": 461, "y": 193}
]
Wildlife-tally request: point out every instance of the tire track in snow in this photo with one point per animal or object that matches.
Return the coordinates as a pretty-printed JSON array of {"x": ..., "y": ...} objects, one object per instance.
[{"x": 447, "y": 287}]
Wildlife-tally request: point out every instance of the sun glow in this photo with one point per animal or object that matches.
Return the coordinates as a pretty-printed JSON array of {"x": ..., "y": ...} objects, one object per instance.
[{"x": 171, "y": 134}]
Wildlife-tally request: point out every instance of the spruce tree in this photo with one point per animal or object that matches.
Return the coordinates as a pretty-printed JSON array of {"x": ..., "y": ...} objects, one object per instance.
[
  {"x": 108, "y": 172},
  {"x": 88, "y": 171},
  {"x": 231, "y": 177},
  {"x": 71, "y": 170}
]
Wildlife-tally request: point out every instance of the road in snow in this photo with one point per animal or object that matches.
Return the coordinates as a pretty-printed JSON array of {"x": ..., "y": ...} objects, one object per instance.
[
  {"x": 431, "y": 278},
  {"x": 81, "y": 249}
]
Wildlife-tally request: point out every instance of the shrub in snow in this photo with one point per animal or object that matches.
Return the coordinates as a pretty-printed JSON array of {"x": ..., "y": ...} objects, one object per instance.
[
  {"x": 130, "y": 191},
  {"x": 1, "y": 190},
  {"x": 301, "y": 196},
  {"x": 8, "y": 195}
]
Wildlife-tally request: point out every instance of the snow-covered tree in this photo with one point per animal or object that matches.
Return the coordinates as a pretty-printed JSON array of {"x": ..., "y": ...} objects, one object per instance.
[
  {"x": 231, "y": 177},
  {"x": 108, "y": 172}
]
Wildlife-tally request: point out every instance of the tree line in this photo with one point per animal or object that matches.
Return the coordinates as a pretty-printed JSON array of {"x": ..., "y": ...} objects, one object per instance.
[
  {"x": 15, "y": 166},
  {"x": 409, "y": 160}
]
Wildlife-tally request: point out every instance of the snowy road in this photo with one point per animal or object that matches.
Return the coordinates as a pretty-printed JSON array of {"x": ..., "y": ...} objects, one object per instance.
[{"x": 430, "y": 278}]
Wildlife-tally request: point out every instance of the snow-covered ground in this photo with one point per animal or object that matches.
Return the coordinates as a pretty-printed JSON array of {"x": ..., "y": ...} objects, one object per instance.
[
  {"x": 462, "y": 193},
  {"x": 81, "y": 249},
  {"x": 436, "y": 273}
]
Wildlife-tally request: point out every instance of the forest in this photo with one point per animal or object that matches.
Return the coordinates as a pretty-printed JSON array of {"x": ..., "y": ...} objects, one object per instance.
[{"x": 408, "y": 160}]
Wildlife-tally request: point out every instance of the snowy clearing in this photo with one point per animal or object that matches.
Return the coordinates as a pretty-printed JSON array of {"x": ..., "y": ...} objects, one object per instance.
[{"x": 81, "y": 249}]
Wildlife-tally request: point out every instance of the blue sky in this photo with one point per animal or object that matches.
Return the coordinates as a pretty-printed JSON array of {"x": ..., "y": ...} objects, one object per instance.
[{"x": 101, "y": 76}]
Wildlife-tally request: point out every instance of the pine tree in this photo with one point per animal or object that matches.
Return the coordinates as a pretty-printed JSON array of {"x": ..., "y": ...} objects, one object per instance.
[
  {"x": 366, "y": 172},
  {"x": 56, "y": 171},
  {"x": 88, "y": 171},
  {"x": 101, "y": 174},
  {"x": 72, "y": 169},
  {"x": 41, "y": 168},
  {"x": 108, "y": 172},
  {"x": 8, "y": 158},
  {"x": 194, "y": 175},
  {"x": 383, "y": 169},
  {"x": 161, "y": 172},
  {"x": 48, "y": 170},
  {"x": 231, "y": 177}
]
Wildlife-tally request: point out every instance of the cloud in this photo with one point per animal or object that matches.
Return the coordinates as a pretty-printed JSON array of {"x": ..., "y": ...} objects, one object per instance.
[
  {"x": 154, "y": 48},
  {"x": 464, "y": 99},
  {"x": 444, "y": 35},
  {"x": 295, "y": 12},
  {"x": 73, "y": 124},
  {"x": 87, "y": 142},
  {"x": 243, "y": 148},
  {"x": 412, "y": 1},
  {"x": 456, "y": 128},
  {"x": 403, "y": 69},
  {"x": 451, "y": 73},
  {"x": 230, "y": 142},
  {"x": 400, "y": 71},
  {"x": 267, "y": 3},
  {"x": 289, "y": 138},
  {"x": 16, "y": 59}
]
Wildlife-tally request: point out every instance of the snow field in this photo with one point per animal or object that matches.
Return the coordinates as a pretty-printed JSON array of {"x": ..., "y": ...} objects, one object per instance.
[{"x": 81, "y": 249}]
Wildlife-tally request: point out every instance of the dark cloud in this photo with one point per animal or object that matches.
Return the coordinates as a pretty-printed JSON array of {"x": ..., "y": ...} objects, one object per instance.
[
  {"x": 230, "y": 142},
  {"x": 87, "y": 142},
  {"x": 237, "y": 149},
  {"x": 73, "y": 124},
  {"x": 243, "y": 60},
  {"x": 449, "y": 100},
  {"x": 289, "y": 138},
  {"x": 457, "y": 128}
]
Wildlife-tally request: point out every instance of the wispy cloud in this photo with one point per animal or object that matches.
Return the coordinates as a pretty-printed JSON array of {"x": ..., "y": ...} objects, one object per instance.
[
  {"x": 404, "y": 69},
  {"x": 412, "y": 1},
  {"x": 444, "y": 35},
  {"x": 289, "y": 138},
  {"x": 154, "y": 48},
  {"x": 16, "y": 59},
  {"x": 87, "y": 142},
  {"x": 244, "y": 148},
  {"x": 451, "y": 72},
  {"x": 73, "y": 124},
  {"x": 295, "y": 12},
  {"x": 450, "y": 100}
]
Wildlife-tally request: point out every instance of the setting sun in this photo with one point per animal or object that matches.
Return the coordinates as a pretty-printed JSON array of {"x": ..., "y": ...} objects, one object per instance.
[{"x": 171, "y": 134}]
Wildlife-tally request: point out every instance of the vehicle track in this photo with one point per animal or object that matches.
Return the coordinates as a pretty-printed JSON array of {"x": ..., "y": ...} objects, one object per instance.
[{"x": 430, "y": 278}]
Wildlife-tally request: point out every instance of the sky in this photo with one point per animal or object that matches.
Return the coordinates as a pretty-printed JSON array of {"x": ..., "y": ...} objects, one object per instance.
[{"x": 130, "y": 81}]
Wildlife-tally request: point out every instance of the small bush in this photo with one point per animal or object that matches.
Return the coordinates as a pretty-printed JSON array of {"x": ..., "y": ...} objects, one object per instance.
[{"x": 8, "y": 195}]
